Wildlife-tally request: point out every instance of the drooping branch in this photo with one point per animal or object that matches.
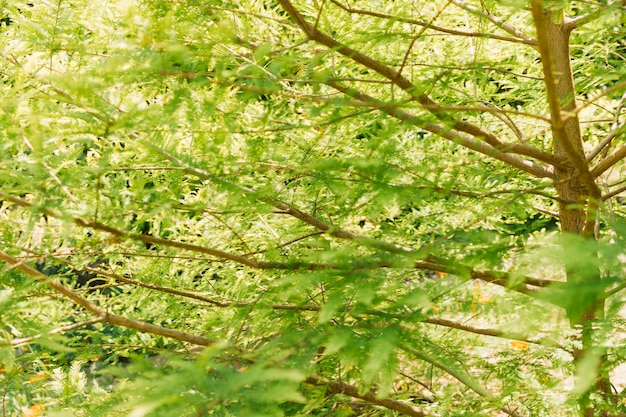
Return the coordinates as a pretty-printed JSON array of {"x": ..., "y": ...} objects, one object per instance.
[
  {"x": 617, "y": 129},
  {"x": 101, "y": 314},
  {"x": 604, "y": 145},
  {"x": 459, "y": 375},
  {"x": 118, "y": 233},
  {"x": 195, "y": 296},
  {"x": 478, "y": 195},
  {"x": 292, "y": 307},
  {"x": 429, "y": 262},
  {"x": 440, "y": 111},
  {"x": 284, "y": 208},
  {"x": 492, "y": 147},
  {"x": 608, "y": 162},
  {"x": 614, "y": 192},
  {"x": 278, "y": 307},
  {"x": 604, "y": 93}
]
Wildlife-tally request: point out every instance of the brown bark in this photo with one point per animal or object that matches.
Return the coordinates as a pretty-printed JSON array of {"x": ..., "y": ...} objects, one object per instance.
[
  {"x": 576, "y": 188},
  {"x": 567, "y": 138}
]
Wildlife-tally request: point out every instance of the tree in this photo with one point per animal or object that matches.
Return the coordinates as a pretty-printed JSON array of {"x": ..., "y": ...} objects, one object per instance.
[{"x": 352, "y": 208}]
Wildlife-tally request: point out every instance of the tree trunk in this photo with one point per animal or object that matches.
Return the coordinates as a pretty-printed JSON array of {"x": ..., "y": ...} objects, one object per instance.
[{"x": 577, "y": 209}]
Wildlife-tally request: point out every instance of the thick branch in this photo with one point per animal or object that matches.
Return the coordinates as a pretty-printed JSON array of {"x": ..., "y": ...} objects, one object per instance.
[
  {"x": 481, "y": 147},
  {"x": 602, "y": 9},
  {"x": 609, "y": 161}
]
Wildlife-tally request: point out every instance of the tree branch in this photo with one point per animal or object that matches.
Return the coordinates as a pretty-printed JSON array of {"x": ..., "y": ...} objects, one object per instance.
[
  {"x": 617, "y": 129},
  {"x": 615, "y": 87},
  {"x": 194, "y": 296},
  {"x": 102, "y": 314},
  {"x": 614, "y": 193},
  {"x": 608, "y": 162},
  {"x": 487, "y": 332},
  {"x": 243, "y": 260},
  {"x": 399, "y": 80},
  {"x": 502, "y": 279},
  {"x": 496, "y": 21},
  {"x": 578, "y": 21},
  {"x": 285, "y": 307},
  {"x": 58, "y": 330},
  {"x": 459, "y": 375},
  {"x": 338, "y": 387},
  {"x": 604, "y": 143},
  {"x": 431, "y": 263},
  {"x": 279, "y": 307},
  {"x": 470, "y": 143}
]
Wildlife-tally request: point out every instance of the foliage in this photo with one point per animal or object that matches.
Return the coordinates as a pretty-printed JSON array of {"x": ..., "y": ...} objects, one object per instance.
[{"x": 217, "y": 208}]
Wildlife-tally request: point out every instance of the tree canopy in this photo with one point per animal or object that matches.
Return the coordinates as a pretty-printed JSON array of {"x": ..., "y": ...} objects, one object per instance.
[{"x": 313, "y": 207}]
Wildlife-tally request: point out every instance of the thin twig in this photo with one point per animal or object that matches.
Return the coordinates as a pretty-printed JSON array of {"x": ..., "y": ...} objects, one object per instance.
[
  {"x": 63, "y": 329},
  {"x": 496, "y": 21},
  {"x": 488, "y": 332}
]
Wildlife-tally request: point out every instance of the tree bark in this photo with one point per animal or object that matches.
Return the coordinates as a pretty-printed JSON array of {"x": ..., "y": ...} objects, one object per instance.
[{"x": 577, "y": 207}]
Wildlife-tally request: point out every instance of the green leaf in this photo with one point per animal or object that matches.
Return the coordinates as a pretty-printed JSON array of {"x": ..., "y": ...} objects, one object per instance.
[
  {"x": 380, "y": 351},
  {"x": 329, "y": 310}
]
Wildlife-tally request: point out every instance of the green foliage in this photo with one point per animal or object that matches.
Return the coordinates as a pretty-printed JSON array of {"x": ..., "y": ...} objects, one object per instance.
[{"x": 277, "y": 226}]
